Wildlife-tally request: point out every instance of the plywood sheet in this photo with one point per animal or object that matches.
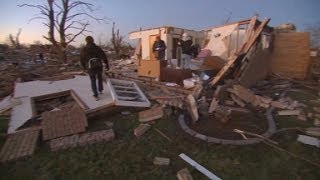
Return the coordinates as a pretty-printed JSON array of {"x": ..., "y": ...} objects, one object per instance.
[{"x": 291, "y": 55}]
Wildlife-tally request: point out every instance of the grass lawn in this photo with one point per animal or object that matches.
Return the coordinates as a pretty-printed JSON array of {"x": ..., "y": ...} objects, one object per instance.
[{"x": 130, "y": 158}]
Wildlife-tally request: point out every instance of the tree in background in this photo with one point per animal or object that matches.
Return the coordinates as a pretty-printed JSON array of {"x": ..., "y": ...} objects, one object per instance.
[
  {"x": 65, "y": 20},
  {"x": 314, "y": 30},
  {"x": 116, "y": 41},
  {"x": 14, "y": 41}
]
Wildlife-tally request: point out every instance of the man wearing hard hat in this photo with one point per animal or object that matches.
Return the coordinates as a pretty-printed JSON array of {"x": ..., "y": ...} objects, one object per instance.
[{"x": 186, "y": 46}]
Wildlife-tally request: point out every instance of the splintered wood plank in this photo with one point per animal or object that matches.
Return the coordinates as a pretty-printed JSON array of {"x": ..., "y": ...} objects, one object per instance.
[
  {"x": 161, "y": 161},
  {"x": 289, "y": 113},
  {"x": 141, "y": 129},
  {"x": 197, "y": 91},
  {"x": 151, "y": 114},
  {"x": 184, "y": 174},
  {"x": 193, "y": 110},
  {"x": 250, "y": 29},
  {"x": 237, "y": 100},
  {"x": 245, "y": 48},
  {"x": 213, "y": 105}
]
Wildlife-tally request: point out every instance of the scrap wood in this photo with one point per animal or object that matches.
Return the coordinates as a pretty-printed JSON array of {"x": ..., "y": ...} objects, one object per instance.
[
  {"x": 166, "y": 97},
  {"x": 214, "y": 104},
  {"x": 151, "y": 114},
  {"x": 8, "y": 103},
  {"x": 237, "y": 109},
  {"x": 237, "y": 100},
  {"x": 141, "y": 129},
  {"x": 184, "y": 174},
  {"x": 162, "y": 134},
  {"x": 255, "y": 135},
  {"x": 161, "y": 161},
  {"x": 197, "y": 90},
  {"x": 200, "y": 168},
  {"x": 289, "y": 113},
  {"x": 193, "y": 110},
  {"x": 279, "y": 105},
  {"x": 314, "y": 131}
]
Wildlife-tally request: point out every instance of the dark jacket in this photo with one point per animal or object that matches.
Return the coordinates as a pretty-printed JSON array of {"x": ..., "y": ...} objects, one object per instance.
[
  {"x": 91, "y": 50},
  {"x": 162, "y": 47},
  {"x": 186, "y": 47}
]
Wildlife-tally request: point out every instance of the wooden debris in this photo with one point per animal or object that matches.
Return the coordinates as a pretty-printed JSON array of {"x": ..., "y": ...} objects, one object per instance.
[
  {"x": 193, "y": 110},
  {"x": 316, "y": 109},
  {"x": 151, "y": 114},
  {"x": 316, "y": 116},
  {"x": 279, "y": 105},
  {"x": 141, "y": 129},
  {"x": 289, "y": 113},
  {"x": 197, "y": 90},
  {"x": 184, "y": 174},
  {"x": 309, "y": 140},
  {"x": 237, "y": 109},
  {"x": 238, "y": 100},
  {"x": 214, "y": 104},
  {"x": 313, "y": 131},
  {"x": 161, "y": 161},
  {"x": 228, "y": 102},
  {"x": 244, "y": 94},
  {"x": 200, "y": 168},
  {"x": 310, "y": 115},
  {"x": 263, "y": 99},
  {"x": 316, "y": 122},
  {"x": 162, "y": 134},
  {"x": 302, "y": 117}
]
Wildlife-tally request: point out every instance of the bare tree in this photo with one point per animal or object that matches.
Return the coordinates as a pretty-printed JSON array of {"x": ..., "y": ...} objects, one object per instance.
[
  {"x": 67, "y": 18},
  {"x": 314, "y": 30},
  {"x": 15, "y": 41},
  {"x": 116, "y": 40}
]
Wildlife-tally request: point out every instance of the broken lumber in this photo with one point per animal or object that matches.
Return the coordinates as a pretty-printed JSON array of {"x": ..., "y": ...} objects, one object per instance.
[
  {"x": 193, "y": 110},
  {"x": 280, "y": 105},
  {"x": 313, "y": 131},
  {"x": 237, "y": 100},
  {"x": 289, "y": 113},
  {"x": 213, "y": 105},
  {"x": 245, "y": 94},
  {"x": 151, "y": 114},
  {"x": 184, "y": 174},
  {"x": 141, "y": 129},
  {"x": 316, "y": 109},
  {"x": 229, "y": 102},
  {"x": 161, "y": 161},
  {"x": 200, "y": 168},
  {"x": 197, "y": 90},
  {"x": 237, "y": 109}
]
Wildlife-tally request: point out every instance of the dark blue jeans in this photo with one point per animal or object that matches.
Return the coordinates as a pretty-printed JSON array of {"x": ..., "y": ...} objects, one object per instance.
[{"x": 94, "y": 75}]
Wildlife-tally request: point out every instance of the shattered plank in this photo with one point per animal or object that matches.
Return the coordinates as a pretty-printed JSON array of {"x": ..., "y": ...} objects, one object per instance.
[
  {"x": 238, "y": 100},
  {"x": 197, "y": 91},
  {"x": 237, "y": 109},
  {"x": 313, "y": 131},
  {"x": 184, "y": 174},
  {"x": 151, "y": 114},
  {"x": 279, "y": 105},
  {"x": 141, "y": 129},
  {"x": 193, "y": 110},
  {"x": 213, "y": 105},
  {"x": 161, "y": 161},
  {"x": 289, "y": 113}
]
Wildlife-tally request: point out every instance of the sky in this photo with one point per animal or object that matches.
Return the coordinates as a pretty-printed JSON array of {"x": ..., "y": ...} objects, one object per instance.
[{"x": 131, "y": 15}]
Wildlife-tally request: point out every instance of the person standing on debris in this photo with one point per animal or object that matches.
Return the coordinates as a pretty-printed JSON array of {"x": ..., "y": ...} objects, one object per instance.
[
  {"x": 186, "y": 46},
  {"x": 91, "y": 58},
  {"x": 159, "y": 48}
]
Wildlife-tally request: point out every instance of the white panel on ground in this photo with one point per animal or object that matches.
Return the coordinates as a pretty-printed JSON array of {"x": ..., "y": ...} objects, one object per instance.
[
  {"x": 27, "y": 90},
  {"x": 200, "y": 168}
]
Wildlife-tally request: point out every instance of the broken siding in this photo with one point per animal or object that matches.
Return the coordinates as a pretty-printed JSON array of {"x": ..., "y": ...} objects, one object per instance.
[{"x": 291, "y": 55}]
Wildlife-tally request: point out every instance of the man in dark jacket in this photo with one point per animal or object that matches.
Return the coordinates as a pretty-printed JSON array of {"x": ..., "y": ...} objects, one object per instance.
[
  {"x": 91, "y": 58},
  {"x": 159, "y": 48},
  {"x": 186, "y": 46}
]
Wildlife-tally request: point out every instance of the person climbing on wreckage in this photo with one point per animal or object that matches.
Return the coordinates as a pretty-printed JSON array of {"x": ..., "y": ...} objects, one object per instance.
[{"x": 91, "y": 58}]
